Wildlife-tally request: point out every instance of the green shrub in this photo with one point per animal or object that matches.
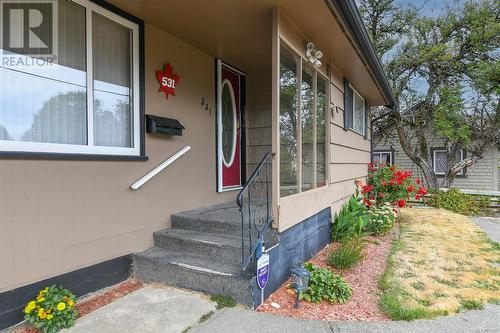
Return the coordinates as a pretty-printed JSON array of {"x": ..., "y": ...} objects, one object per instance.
[
  {"x": 458, "y": 202},
  {"x": 381, "y": 219},
  {"x": 351, "y": 220},
  {"x": 223, "y": 301},
  {"x": 325, "y": 285},
  {"x": 470, "y": 304},
  {"x": 350, "y": 252},
  {"x": 387, "y": 183},
  {"x": 52, "y": 310}
]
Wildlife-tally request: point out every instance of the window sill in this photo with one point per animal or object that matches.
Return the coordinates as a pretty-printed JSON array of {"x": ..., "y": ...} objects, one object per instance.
[
  {"x": 65, "y": 156},
  {"x": 356, "y": 132},
  {"x": 457, "y": 176}
]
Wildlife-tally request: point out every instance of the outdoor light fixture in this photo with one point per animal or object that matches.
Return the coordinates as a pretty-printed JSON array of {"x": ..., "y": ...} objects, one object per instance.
[
  {"x": 300, "y": 281},
  {"x": 313, "y": 55}
]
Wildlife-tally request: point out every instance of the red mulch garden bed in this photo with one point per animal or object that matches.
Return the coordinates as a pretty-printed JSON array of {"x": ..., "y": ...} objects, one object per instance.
[
  {"x": 95, "y": 301},
  {"x": 362, "y": 279}
]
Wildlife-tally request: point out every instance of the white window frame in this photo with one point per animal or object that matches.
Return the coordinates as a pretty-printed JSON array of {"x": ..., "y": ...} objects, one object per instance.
[
  {"x": 354, "y": 91},
  {"x": 380, "y": 152},
  {"x": 90, "y": 148},
  {"x": 444, "y": 151},
  {"x": 316, "y": 72}
]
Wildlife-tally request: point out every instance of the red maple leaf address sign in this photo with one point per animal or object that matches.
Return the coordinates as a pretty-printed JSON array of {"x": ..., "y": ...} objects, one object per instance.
[{"x": 168, "y": 80}]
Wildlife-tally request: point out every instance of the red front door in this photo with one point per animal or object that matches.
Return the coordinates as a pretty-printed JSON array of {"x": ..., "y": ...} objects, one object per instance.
[{"x": 229, "y": 106}]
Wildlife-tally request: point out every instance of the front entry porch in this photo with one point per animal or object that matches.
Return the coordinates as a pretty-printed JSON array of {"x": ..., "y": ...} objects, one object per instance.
[{"x": 203, "y": 251}]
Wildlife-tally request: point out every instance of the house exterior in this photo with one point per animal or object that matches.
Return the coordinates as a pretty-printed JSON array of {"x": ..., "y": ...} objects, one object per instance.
[
  {"x": 201, "y": 90},
  {"x": 483, "y": 176}
]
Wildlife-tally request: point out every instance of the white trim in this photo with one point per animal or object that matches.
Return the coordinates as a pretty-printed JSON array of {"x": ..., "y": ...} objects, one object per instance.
[
  {"x": 233, "y": 69},
  {"x": 444, "y": 151},
  {"x": 160, "y": 167},
  {"x": 200, "y": 269},
  {"x": 380, "y": 152},
  {"x": 89, "y": 75},
  {"x": 219, "y": 126},
  {"x": 315, "y": 74},
  {"x": 90, "y": 148},
  {"x": 327, "y": 127},
  {"x": 354, "y": 91},
  {"x": 220, "y": 155},
  {"x": 235, "y": 125}
]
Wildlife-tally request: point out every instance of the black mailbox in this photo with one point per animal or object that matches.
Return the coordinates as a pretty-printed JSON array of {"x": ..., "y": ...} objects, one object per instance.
[{"x": 162, "y": 125}]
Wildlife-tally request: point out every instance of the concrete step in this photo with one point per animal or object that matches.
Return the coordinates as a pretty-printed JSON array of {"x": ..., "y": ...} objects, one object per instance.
[
  {"x": 194, "y": 271},
  {"x": 204, "y": 224},
  {"x": 222, "y": 248},
  {"x": 218, "y": 219}
]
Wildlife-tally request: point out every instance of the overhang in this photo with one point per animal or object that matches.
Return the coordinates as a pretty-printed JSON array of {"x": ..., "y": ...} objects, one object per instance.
[{"x": 240, "y": 33}]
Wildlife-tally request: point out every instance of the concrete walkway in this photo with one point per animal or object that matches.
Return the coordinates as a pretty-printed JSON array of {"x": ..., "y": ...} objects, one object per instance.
[
  {"x": 242, "y": 321},
  {"x": 490, "y": 225},
  {"x": 152, "y": 309},
  {"x": 239, "y": 320},
  {"x": 157, "y": 308}
]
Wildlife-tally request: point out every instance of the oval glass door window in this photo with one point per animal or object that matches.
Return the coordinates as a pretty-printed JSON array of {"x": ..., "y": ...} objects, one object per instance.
[{"x": 228, "y": 123}]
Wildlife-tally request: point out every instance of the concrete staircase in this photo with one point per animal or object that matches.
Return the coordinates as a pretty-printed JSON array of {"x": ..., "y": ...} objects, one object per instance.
[{"x": 202, "y": 251}]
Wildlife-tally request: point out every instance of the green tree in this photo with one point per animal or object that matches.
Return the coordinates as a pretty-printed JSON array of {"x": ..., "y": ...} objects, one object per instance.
[{"x": 445, "y": 74}]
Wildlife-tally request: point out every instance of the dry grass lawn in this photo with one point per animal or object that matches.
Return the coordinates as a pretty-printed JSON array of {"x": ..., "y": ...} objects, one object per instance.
[{"x": 443, "y": 263}]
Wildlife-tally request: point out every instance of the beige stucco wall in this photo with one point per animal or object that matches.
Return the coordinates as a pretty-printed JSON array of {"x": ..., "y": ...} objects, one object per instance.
[
  {"x": 348, "y": 151},
  {"x": 60, "y": 215}
]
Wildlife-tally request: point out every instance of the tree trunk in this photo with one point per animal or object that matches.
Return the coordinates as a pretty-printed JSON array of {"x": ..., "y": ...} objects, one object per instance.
[{"x": 430, "y": 179}]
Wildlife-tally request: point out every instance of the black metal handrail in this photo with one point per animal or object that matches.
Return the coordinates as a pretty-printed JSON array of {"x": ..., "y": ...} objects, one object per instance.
[{"x": 254, "y": 202}]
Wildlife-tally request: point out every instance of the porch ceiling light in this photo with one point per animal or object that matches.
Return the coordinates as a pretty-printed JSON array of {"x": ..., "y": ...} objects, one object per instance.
[
  {"x": 313, "y": 55},
  {"x": 300, "y": 281}
]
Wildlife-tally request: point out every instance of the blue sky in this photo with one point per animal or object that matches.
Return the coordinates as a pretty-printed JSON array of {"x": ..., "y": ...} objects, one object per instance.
[{"x": 431, "y": 7}]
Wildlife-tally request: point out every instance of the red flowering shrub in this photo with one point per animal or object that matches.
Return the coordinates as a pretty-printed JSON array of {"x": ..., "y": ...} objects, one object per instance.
[{"x": 390, "y": 184}]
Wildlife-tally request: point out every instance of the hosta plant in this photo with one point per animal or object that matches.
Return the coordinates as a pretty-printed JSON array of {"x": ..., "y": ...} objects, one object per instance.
[
  {"x": 351, "y": 220},
  {"x": 52, "y": 310},
  {"x": 325, "y": 285}
]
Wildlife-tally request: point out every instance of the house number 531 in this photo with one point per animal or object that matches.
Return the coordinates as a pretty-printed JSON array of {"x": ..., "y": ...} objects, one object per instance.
[{"x": 167, "y": 82}]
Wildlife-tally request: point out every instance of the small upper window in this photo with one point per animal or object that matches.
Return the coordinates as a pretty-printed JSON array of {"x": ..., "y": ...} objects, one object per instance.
[
  {"x": 355, "y": 110},
  {"x": 358, "y": 114},
  {"x": 81, "y": 94},
  {"x": 382, "y": 157},
  {"x": 440, "y": 160}
]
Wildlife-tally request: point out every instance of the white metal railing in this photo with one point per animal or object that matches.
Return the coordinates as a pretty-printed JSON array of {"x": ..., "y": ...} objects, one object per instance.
[{"x": 159, "y": 168}]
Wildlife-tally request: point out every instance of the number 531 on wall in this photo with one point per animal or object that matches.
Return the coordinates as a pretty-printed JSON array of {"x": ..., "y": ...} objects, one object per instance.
[{"x": 168, "y": 80}]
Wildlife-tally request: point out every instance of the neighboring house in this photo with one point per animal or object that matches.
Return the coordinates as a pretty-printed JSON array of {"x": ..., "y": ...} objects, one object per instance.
[
  {"x": 74, "y": 137},
  {"x": 483, "y": 176}
]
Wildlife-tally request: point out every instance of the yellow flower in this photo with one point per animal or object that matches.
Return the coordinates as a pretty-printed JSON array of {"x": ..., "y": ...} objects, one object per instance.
[
  {"x": 41, "y": 300},
  {"x": 61, "y": 306},
  {"x": 71, "y": 303},
  {"x": 49, "y": 316},
  {"x": 30, "y": 307},
  {"x": 41, "y": 313}
]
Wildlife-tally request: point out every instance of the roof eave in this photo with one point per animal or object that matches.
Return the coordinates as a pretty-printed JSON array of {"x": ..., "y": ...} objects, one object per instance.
[{"x": 348, "y": 12}]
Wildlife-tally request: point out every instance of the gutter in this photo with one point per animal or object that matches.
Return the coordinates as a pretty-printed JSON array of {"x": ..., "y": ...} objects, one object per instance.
[{"x": 347, "y": 12}]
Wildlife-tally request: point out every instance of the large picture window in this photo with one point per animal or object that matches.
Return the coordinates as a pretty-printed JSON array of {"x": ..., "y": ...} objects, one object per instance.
[
  {"x": 302, "y": 121},
  {"x": 87, "y": 100}
]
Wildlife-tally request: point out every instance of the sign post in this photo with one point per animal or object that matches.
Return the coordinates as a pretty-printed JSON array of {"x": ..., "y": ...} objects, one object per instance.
[{"x": 262, "y": 273}]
